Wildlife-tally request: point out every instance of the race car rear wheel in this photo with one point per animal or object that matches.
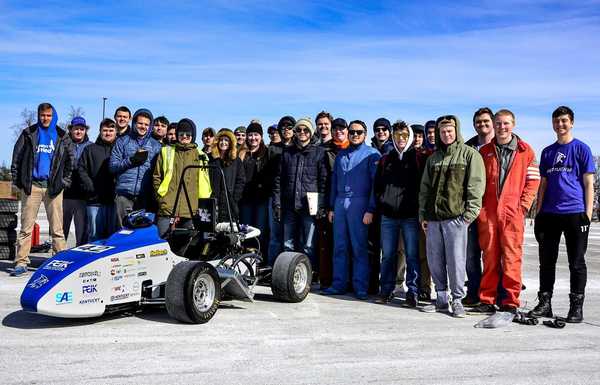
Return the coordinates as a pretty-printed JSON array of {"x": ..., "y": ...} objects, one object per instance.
[
  {"x": 193, "y": 292},
  {"x": 291, "y": 277}
]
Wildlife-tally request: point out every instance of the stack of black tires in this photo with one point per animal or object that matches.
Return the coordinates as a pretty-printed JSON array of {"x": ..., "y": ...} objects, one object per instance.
[{"x": 8, "y": 224}]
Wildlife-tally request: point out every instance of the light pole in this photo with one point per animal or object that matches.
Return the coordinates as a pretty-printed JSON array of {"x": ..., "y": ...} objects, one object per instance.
[{"x": 103, "y": 106}]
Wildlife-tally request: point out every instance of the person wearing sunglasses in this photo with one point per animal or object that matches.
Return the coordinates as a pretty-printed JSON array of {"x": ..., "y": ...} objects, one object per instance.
[
  {"x": 74, "y": 204},
  {"x": 382, "y": 140},
  {"x": 285, "y": 133},
  {"x": 450, "y": 197},
  {"x": 353, "y": 203},
  {"x": 168, "y": 173},
  {"x": 396, "y": 189},
  {"x": 302, "y": 172}
]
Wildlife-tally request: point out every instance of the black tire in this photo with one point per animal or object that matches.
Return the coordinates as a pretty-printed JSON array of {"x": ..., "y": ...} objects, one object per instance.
[
  {"x": 8, "y": 236},
  {"x": 291, "y": 266},
  {"x": 179, "y": 292},
  {"x": 7, "y": 252},
  {"x": 8, "y": 221},
  {"x": 9, "y": 206}
]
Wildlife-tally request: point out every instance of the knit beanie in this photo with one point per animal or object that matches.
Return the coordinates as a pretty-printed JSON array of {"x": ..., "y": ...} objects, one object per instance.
[
  {"x": 382, "y": 122},
  {"x": 418, "y": 129},
  {"x": 254, "y": 127},
  {"x": 306, "y": 122}
]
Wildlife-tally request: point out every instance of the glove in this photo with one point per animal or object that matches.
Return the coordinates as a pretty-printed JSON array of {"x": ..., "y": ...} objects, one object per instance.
[
  {"x": 321, "y": 214},
  {"x": 277, "y": 213},
  {"x": 139, "y": 157}
]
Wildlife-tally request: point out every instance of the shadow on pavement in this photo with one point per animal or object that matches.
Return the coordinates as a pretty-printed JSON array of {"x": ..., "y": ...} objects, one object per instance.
[
  {"x": 36, "y": 261},
  {"x": 23, "y": 320}
]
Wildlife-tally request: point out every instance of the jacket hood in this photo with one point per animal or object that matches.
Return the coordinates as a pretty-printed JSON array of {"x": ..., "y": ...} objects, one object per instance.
[
  {"x": 186, "y": 124},
  {"x": 133, "y": 131},
  {"x": 438, "y": 138},
  {"x": 411, "y": 138},
  {"x": 53, "y": 122},
  {"x": 233, "y": 151}
]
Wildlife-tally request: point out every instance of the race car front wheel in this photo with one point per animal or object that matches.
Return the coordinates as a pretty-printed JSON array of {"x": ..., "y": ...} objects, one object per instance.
[
  {"x": 291, "y": 277},
  {"x": 193, "y": 292}
]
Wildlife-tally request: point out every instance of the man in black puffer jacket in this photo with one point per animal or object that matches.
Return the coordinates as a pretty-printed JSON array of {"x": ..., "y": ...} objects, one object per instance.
[
  {"x": 302, "y": 173},
  {"x": 98, "y": 183}
]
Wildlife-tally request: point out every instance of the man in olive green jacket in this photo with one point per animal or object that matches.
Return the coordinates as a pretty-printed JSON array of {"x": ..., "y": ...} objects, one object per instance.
[
  {"x": 168, "y": 172},
  {"x": 449, "y": 200}
]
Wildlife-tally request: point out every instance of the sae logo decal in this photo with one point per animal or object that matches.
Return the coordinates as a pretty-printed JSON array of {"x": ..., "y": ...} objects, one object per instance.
[{"x": 64, "y": 297}]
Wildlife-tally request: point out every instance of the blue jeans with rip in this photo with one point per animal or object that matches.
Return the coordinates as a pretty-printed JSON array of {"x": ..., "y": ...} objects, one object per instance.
[{"x": 390, "y": 232}]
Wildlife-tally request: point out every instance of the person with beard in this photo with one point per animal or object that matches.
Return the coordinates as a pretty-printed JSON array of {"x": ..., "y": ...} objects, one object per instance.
[
  {"x": 41, "y": 168},
  {"x": 302, "y": 171},
  {"x": 122, "y": 120},
  {"x": 338, "y": 141},
  {"x": 168, "y": 173},
  {"x": 171, "y": 137},
  {"x": 353, "y": 200},
  {"x": 257, "y": 190},
  {"x": 160, "y": 129},
  {"x": 224, "y": 155},
  {"x": 396, "y": 188},
  {"x": 131, "y": 161},
  {"x": 98, "y": 184},
  {"x": 74, "y": 205},
  {"x": 285, "y": 131}
]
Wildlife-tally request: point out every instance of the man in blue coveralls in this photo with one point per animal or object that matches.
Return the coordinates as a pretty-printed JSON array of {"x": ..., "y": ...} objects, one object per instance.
[{"x": 354, "y": 204}]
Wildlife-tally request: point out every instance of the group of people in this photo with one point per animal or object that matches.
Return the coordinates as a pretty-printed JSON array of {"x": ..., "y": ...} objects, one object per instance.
[{"x": 418, "y": 204}]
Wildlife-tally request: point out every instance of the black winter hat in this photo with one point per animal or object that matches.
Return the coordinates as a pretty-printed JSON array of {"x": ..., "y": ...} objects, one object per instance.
[
  {"x": 382, "y": 122},
  {"x": 254, "y": 127},
  {"x": 186, "y": 125},
  {"x": 339, "y": 122},
  {"x": 418, "y": 129},
  {"x": 285, "y": 121}
]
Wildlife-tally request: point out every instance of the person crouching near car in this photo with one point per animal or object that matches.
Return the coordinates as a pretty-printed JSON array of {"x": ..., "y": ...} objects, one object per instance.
[
  {"x": 397, "y": 194},
  {"x": 450, "y": 196},
  {"x": 168, "y": 173},
  {"x": 98, "y": 184},
  {"x": 224, "y": 156}
]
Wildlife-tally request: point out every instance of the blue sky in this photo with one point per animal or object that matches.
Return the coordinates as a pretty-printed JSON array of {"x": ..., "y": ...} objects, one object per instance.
[{"x": 222, "y": 63}]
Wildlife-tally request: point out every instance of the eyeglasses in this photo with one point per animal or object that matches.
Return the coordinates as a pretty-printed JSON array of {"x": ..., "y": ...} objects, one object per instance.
[
  {"x": 401, "y": 135},
  {"x": 356, "y": 132},
  {"x": 381, "y": 128},
  {"x": 184, "y": 134},
  {"x": 302, "y": 129}
]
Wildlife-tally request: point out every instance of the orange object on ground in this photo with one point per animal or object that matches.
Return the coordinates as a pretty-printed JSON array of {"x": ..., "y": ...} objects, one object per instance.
[
  {"x": 35, "y": 235},
  {"x": 502, "y": 220}
]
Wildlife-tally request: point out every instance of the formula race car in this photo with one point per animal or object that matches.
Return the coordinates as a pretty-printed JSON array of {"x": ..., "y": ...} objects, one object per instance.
[{"x": 189, "y": 272}]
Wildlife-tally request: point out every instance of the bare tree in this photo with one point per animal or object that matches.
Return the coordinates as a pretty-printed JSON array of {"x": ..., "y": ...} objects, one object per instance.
[
  {"x": 28, "y": 118},
  {"x": 73, "y": 112}
]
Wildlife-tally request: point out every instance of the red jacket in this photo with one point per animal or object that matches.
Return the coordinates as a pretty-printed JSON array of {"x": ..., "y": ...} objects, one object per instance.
[{"x": 520, "y": 185}]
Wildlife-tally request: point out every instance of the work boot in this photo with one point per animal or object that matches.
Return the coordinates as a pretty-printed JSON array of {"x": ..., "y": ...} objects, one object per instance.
[
  {"x": 576, "y": 308},
  {"x": 544, "y": 306}
]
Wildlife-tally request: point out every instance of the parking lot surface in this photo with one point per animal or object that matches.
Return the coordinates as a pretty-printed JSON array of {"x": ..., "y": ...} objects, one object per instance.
[{"x": 323, "y": 340}]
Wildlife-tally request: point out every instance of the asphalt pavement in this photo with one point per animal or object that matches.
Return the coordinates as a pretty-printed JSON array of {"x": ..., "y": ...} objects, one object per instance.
[{"x": 323, "y": 340}]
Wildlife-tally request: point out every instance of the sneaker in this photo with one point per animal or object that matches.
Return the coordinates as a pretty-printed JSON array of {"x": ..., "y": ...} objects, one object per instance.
[
  {"x": 399, "y": 291},
  {"x": 411, "y": 300},
  {"x": 332, "y": 291},
  {"x": 470, "y": 301},
  {"x": 508, "y": 309},
  {"x": 19, "y": 271},
  {"x": 384, "y": 299},
  {"x": 458, "y": 310},
  {"x": 482, "y": 308},
  {"x": 424, "y": 297},
  {"x": 361, "y": 296}
]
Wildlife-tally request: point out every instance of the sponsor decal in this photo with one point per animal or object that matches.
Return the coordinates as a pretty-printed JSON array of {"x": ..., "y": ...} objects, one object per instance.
[
  {"x": 204, "y": 215},
  {"x": 89, "y": 280},
  {"x": 57, "y": 265},
  {"x": 126, "y": 232},
  {"x": 38, "y": 282},
  {"x": 158, "y": 253},
  {"x": 89, "y": 248},
  {"x": 142, "y": 273},
  {"x": 140, "y": 256},
  {"x": 136, "y": 286},
  {"x": 119, "y": 289},
  {"x": 114, "y": 272},
  {"x": 114, "y": 259},
  {"x": 64, "y": 297},
  {"x": 89, "y": 301},
  {"x": 130, "y": 275},
  {"x": 89, "y": 289},
  {"x": 119, "y": 297},
  {"x": 117, "y": 278},
  {"x": 86, "y": 274}
]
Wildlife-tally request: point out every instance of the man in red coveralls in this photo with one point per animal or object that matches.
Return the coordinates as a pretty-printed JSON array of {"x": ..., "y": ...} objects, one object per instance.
[{"x": 512, "y": 181}]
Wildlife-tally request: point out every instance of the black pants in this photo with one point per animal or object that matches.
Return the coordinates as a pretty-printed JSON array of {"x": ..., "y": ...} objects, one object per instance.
[{"x": 548, "y": 230}]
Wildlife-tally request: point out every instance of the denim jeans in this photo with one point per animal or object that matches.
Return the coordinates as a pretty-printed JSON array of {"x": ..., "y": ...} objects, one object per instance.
[
  {"x": 299, "y": 234},
  {"x": 390, "y": 231},
  {"x": 256, "y": 214},
  {"x": 101, "y": 221},
  {"x": 275, "y": 236}
]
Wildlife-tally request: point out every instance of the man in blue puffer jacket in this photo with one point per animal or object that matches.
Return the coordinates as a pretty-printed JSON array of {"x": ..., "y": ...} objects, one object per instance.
[
  {"x": 352, "y": 197},
  {"x": 132, "y": 161}
]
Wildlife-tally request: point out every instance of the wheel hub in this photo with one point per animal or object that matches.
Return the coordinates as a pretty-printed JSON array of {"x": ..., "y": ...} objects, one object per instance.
[
  {"x": 204, "y": 292},
  {"x": 300, "y": 277}
]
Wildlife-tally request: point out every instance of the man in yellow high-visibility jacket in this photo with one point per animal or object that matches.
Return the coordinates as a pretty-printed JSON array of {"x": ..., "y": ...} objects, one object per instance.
[{"x": 170, "y": 164}]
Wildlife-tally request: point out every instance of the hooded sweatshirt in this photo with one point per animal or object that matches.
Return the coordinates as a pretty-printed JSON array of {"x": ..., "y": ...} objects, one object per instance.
[
  {"x": 453, "y": 181},
  {"x": 134, "y": 180},
  {"x": 397, "y": 181},
  {"x": 47, "y": 138}
]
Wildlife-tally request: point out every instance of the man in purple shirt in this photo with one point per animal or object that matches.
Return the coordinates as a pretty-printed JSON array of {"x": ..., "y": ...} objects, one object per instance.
[{"x": 565, "y": 203}]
